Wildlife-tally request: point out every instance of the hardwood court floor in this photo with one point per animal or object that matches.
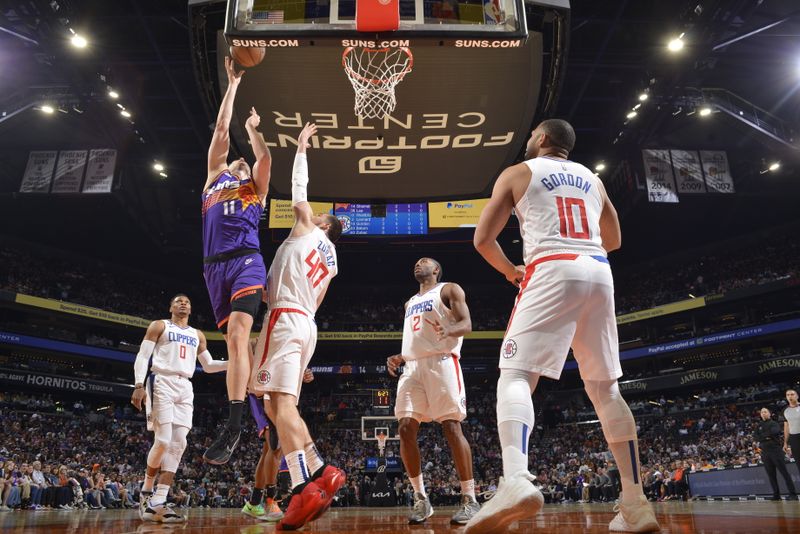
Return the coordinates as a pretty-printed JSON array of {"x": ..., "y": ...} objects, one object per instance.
[{"x": 681, "y": 518}]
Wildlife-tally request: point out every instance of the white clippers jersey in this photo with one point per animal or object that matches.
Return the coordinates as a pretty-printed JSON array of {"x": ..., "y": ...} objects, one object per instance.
[
  {"x": 560, "y": 211},
  {"x": 301, "y": 271},
  {"x": 176, "y": 351},
  {"x": 419, "y": 336}
]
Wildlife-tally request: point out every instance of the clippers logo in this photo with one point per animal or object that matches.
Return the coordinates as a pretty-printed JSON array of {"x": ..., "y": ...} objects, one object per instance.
[
  {"x": 509, "y": 349},
  {"x": 263, "y": 377},
  {"x": 379, "y": 164},
  {"x": 346, "y": 223}
]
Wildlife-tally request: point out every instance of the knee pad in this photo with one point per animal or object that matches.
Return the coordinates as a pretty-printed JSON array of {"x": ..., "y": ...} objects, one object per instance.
[
  {"x": 514, "y": 390},
  {"x": 612, "y": 410}
]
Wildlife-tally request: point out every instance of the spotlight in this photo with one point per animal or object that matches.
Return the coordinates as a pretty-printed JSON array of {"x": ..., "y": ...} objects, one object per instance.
[
  {"x": 774, "y": 166},
  {"x": 676, "y": 44},
  {"x": 599, "y": 167},
  {"x": 162, "y": 174},
  {"x": 125, "y": 113},
  {"x": 158, "y": 166},
  {"x": 637, "y": 106},
  {"x": 643, "y": 97},
  {"x": 705, "y": 111},
  {"x": 47, "y": 109},
  {"x": 79, "y": 41},
  {"x": 113, "y": 94},
  {"x": 120, "y": 106},
  {"x": 631, "y": 115}
]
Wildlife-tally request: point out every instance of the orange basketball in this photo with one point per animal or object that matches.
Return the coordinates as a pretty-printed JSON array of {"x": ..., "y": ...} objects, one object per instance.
[{"x": 247, "y": 56}]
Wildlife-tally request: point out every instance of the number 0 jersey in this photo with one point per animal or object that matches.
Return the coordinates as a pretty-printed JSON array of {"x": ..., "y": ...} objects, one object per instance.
[
  {"x": 231, "y": 211},
  {"x": 560, "y": 210},
  {"x": 419, "y": 336},
  {"x": 176, "y": 351},
  {"x": 301, "y": 271}
]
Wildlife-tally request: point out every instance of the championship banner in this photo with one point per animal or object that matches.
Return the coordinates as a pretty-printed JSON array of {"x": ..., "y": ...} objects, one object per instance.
[
  {"x": 688, "y": 171},
  {"x": 38, "y": 172},
  {"x": 717, "y": 171},
  {"x": 100, "y": 171},
  {"x": 658, "y": 172},
  {"x": 56, "y": 383},
  {"x": 281, "y": 214},
  {"x": 69, "y": 171},
  {"x": 455, "y": 214}
]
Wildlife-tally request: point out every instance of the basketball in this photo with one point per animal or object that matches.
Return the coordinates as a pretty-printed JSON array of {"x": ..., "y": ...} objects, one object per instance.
[{"x": 247, "y": 56}]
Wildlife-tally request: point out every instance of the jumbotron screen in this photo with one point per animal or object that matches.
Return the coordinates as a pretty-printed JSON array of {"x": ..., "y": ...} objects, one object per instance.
[{"x": 382, "y": 219}]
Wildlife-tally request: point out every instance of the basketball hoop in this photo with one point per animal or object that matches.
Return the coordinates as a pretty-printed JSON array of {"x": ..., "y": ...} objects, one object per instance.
[
  {"x": 374, "y": 73},
  {"x": 381, "y": 442}
]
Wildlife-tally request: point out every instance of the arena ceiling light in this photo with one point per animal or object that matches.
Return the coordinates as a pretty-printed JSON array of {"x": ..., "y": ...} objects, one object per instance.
[
  {"x": 705, "y": 111},
  {"x": 643, "y": 97},
  {"x": 78, "y": 41},
  {"x": 125, "y": 113},
  {"x": 774, "y": 166},
  {"x": 162, "y": 174},
  {"x": 631, "y": 115},
  {"x": 675, "y": 44},
  {"x": 47, "y": 109},
  {"x": 157, "y": 166},
  {"x": 113, "y": 94},
  {"x": 600, "y": 166}
]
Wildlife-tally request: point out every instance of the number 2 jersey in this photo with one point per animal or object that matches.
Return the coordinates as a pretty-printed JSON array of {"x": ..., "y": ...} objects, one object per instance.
[
  {"x": 560, "y": 210},
  {"x": 175, "y": 352},
  {"x": 231, "y": 211},
  {"x": 301, "y": 271},
  {"x": 419, "y": 335}
]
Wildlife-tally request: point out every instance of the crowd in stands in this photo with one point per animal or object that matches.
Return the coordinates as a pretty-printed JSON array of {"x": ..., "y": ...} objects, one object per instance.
[
  {"x": 59, "y": 454},
  {"x": 367, "y": 309}
]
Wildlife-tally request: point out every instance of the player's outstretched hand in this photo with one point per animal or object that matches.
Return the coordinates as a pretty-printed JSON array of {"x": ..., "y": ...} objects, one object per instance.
[
  {"x": 787, "y": 450},
  {"x": 308, "y": 376},
  {"x": 254, "y": 119},
  {"x": 137, "y": 399},
  {"x": 517, "y": 275},
  {"x": 233, "y": 77},
  {"x": 394, "y": 362},
  {"x": 309, "y": 130}
]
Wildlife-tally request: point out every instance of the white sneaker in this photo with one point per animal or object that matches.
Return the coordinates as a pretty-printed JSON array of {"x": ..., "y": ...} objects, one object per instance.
[
  {"x": 635, "y": 516},
  {"x": 516, "y": 498}
]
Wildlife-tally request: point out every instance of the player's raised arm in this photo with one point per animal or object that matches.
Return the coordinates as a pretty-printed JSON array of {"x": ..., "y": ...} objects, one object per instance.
[
  {"x": 220, "y": 141},
  {"x": 610, "y": 232},
  {"x": 155, "y": 330},
  {"x": 302, "y": 209},
  {"x": 209, "y": 364},
  {"x": 454, "y": 298},
  {"x": 493, "y": 218},
  {"x": 263, "y": 166}
]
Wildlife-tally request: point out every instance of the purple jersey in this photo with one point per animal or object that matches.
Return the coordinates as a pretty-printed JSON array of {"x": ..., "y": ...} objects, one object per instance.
[{"x": 231, "y": 211}]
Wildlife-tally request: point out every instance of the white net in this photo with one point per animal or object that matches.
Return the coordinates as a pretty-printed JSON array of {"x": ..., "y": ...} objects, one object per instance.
[
  {"x": 374, "y": 73},
  {"x": 381, "y": 442}
]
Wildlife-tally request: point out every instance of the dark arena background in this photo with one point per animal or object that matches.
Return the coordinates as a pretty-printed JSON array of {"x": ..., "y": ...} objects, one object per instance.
[{"x": 687, "y": 110}]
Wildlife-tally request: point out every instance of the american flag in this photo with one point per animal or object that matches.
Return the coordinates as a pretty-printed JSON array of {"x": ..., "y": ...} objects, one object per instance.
[{"x": 268, "y": 17}]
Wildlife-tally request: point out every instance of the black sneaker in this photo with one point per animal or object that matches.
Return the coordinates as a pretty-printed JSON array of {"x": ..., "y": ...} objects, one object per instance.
[{"x": 220, "y": 451}]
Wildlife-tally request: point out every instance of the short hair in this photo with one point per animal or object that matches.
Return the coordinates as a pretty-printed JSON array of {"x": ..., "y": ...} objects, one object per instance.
[
  {"x": 172, "y": 300},
  {"x": 560, "y": 132},
  {"x": 439, "y": 265},
  {"x": 791, "y": 389},
  {"x": 335, "y": 229}
]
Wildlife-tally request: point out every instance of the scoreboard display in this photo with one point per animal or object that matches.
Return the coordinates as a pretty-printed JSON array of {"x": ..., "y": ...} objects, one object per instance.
[
  {"x": 382, "y": 219},
  {"x": 381, "y": 398}
]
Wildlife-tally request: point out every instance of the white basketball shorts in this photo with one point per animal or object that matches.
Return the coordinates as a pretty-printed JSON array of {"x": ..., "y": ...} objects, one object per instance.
[
  {"x": 283, "y": 351},
  {"x": 431, "y": 389},
  {"x": 171, "y": 400},
  {"x": 564, "y": 300}
]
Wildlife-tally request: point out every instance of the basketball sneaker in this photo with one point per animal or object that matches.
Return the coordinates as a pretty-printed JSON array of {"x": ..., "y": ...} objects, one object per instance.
[
  {"x": 422, "y": 509},
  {"x": 222, "y": 448},
  {"x": 254, "y": 510},
  {"x": 516, "y": 498},
  {"x": 274, "y": 512},
  {"x": 469, "y": 507},
  {"x": 162, "y": 513},
  {"x": 144, "y": 497},
  {"x": 636, "y": 516},
  {"x": 330, "y": 479},
  {"x": 307, "y": 500}
]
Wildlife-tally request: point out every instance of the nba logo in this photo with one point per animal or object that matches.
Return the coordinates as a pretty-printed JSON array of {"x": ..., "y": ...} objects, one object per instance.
[
  {"x": 263, "y": 377},
  {"x": 509, "y": 349}
]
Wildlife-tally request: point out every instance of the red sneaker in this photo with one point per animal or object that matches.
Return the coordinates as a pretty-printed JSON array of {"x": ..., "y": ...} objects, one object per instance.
[
  {"x": 302, "y": 507},
  {"x": 330, "y": 479}
]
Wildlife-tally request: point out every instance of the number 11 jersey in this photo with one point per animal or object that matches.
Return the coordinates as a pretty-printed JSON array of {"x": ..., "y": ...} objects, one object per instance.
[
  {"x": 301, "y": 271},
  {"x": 560, "y": 210}
]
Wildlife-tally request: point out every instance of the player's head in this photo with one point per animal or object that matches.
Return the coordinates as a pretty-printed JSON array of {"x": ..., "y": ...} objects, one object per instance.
[
  {"x": 765, "y": 414},
  {"x": 180, "y": 305},
  {"x": 553, "y": 136},
  {"x": 426, "y": 268},
  {"x": 240, "y": 168},
  {"x": 329, "y": 224},
  {"x": 791, "y": 396}
]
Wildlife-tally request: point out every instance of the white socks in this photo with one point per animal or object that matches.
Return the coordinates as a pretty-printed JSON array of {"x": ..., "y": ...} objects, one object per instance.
[
  {"x": 514, "y": 442},
  {"x": 159, "y": 498},
  {"x": 297, "y": 467},
  {"x": 418, "y": 485},
  {"x": 626, "y": 454},
  {"x": 313, "y": 458},
  {"x": 468, "y": 488},
  {"x": 515, "y": 417},
  {"x": 149, "y": 482}
]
